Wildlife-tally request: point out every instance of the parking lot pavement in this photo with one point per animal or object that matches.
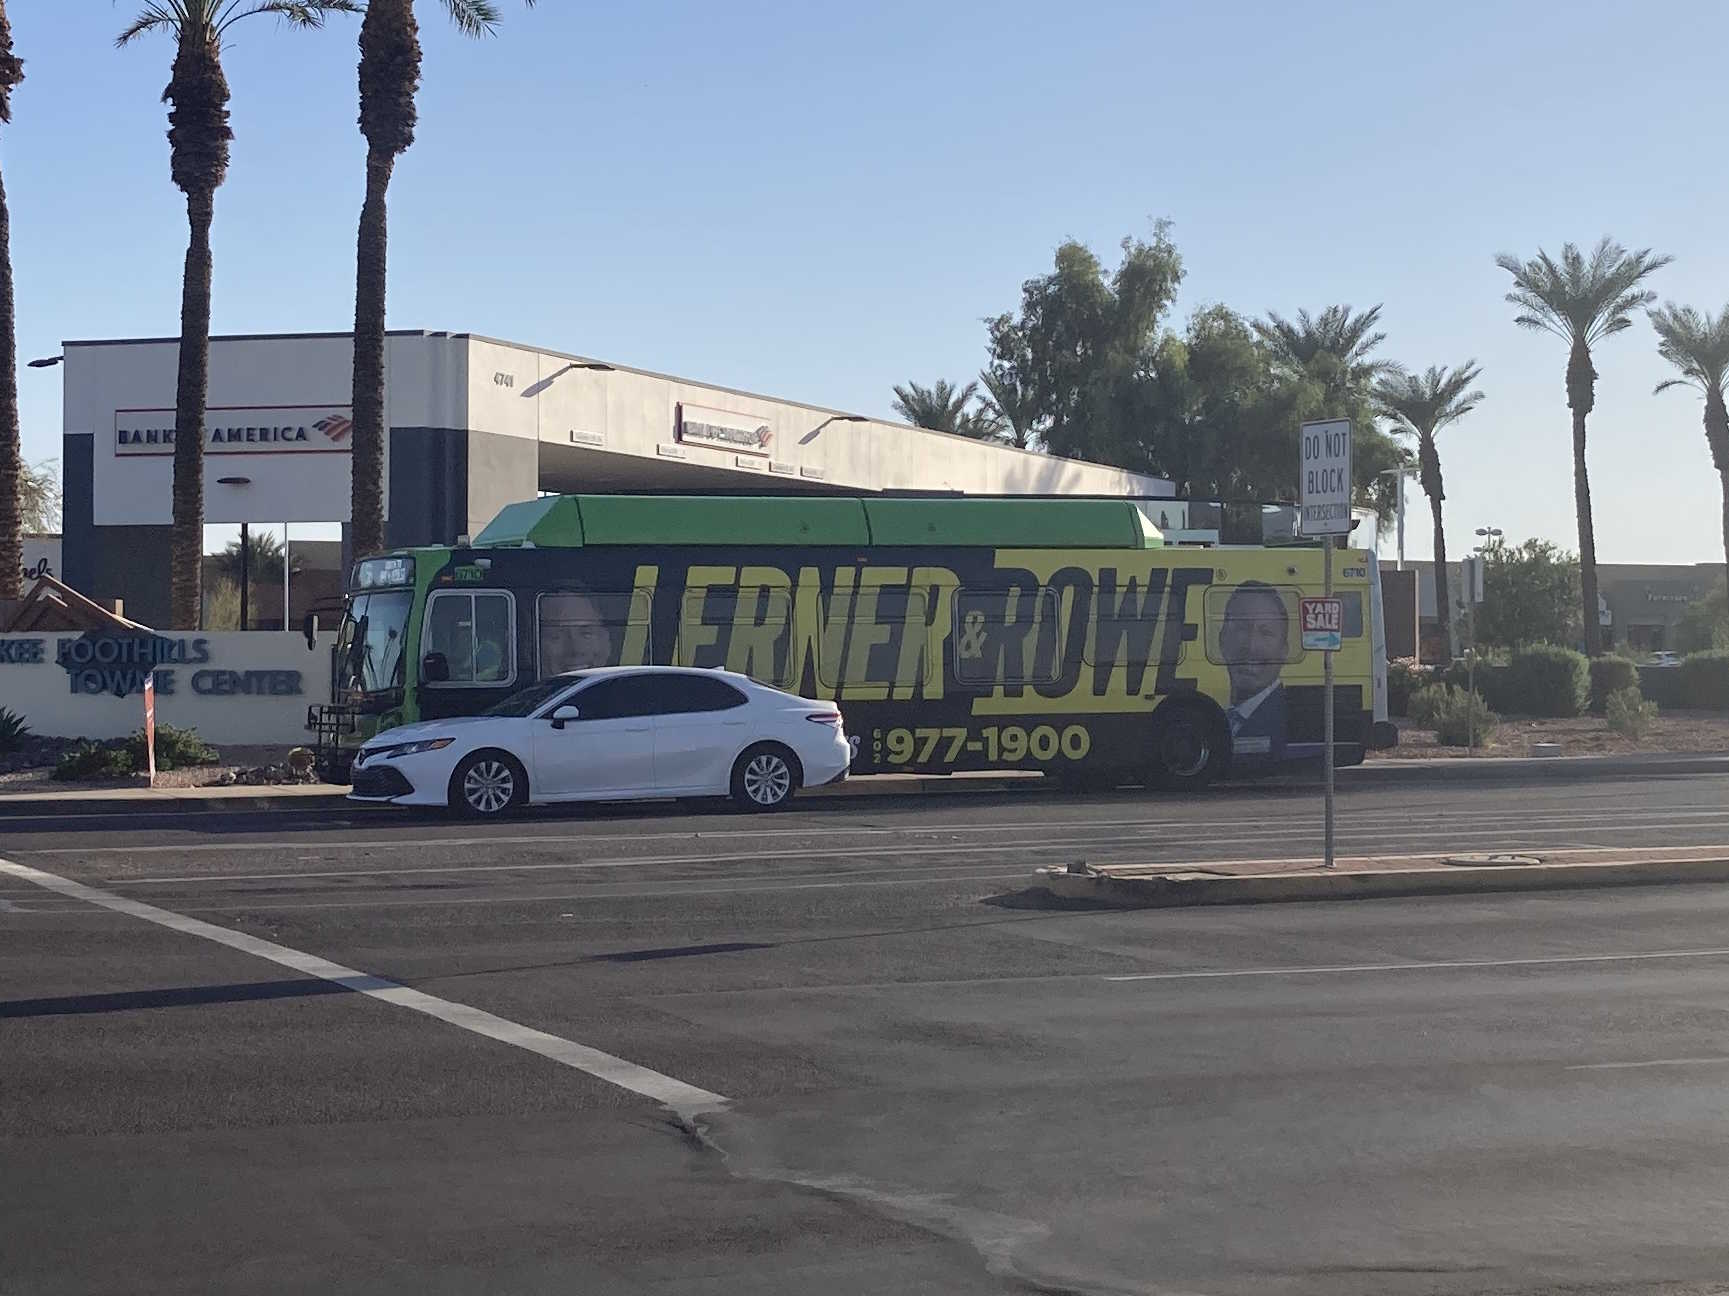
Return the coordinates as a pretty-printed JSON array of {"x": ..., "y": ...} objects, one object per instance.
[{"x": 928, "y": 1083}]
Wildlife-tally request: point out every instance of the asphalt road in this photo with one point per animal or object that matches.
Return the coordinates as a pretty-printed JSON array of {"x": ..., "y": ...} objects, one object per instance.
[{"x": 842, "y": 1049}]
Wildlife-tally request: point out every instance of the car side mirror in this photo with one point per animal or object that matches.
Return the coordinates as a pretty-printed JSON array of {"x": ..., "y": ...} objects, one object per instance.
[
  {"x": 434, "y": 668},
  {"x": 564, "y": 714},
  {"x": 309, "y": 628}
]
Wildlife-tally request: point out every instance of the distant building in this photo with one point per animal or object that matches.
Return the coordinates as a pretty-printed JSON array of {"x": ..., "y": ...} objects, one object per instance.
[{"x": 1639, "y": 603}]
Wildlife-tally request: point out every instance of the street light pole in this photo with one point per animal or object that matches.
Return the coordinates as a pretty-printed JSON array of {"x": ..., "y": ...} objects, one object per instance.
[
  {"x": 1489, "y": 535},
  {"x": 1401, "y": 473}
]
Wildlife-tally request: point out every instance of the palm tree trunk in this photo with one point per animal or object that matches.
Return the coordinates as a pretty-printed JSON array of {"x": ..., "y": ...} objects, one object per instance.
[
  {"x": 11, "y": 456},
  {"x": 192, "y": 390},
  {"x": 1587, "y": 539},
  {"x": 1443, "y": 601},
  {"x": 1723, "y": 477},
  {"x": 367, "y": 496}
]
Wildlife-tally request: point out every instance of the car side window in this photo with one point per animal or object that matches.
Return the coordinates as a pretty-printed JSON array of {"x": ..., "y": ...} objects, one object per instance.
[
  {"x": 617, "y": 699},
  {"x": 684, "y": 694}
]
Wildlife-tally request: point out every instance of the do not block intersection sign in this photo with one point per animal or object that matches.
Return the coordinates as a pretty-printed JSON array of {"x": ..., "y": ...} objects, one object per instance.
[{"x": 1326, "y": 478}]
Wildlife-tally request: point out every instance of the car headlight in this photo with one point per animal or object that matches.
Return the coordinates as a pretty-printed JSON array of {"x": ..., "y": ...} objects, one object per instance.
[{"x": 406, "y": 749}]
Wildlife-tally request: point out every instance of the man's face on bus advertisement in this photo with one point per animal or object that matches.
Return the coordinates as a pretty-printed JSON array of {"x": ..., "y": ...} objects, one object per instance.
[
  {"x": 572, "y": 634},
  {"x": 1254, "y": 641}
]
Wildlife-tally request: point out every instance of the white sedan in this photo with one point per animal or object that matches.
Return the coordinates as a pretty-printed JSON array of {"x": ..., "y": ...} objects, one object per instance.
[{"x": 617, "y": 733}]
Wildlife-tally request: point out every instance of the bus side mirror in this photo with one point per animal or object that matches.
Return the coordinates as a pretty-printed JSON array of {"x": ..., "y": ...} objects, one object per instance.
[
  {"x": 434, "y": 668},
  {"x": 309, "y": 628},
  {"x": 562, "y": 715}
]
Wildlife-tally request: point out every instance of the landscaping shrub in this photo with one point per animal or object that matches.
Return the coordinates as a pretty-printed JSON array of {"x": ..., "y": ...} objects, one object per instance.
[
  {"x": 1425, "y": 704},
  {"x": 175, "y": 748},
  {"x": 1628, "y": 712},
  {"x": 1459, "y": 715},
  {"x": 1704, "y": 679},
  {"x": 1610, "y": 675},
  {"x": 1404, "y": 677},
  {"x": 13, "y": 730},
  {"x": 93, "y": 761},
  {"x": 1547, "y": 681}
]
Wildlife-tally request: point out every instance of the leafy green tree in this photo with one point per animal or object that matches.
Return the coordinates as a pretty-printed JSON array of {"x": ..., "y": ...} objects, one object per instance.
[
  {"x": 13, "y": 473},
  {"x": 1698, "y": 346},
  {"x": 1530, "y": 596},
  {"x": 198, "y": 139},
  {"x": 1704, "y": 624},
  {"x": 39, "y": 498},
  {"x": 1421, "y": 407},
  {"x": 389, "y": 79},
  {"x": 1082, "y": 342},
  {"x": 1582, "y": 301}
]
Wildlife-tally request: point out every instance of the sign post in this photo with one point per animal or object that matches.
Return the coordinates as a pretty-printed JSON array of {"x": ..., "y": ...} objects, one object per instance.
[
  {"x": 1325, "y": 479},
  {"x": 150, "y": 725}
]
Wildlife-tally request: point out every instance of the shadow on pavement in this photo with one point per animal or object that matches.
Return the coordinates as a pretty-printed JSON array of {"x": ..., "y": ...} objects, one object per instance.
[{"x": 175, "y": 997}]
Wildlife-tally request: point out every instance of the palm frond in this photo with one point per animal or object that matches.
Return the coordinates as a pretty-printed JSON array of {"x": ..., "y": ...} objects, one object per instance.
[
  {"x": 1422, "y": 404},
  {"x": 473, "y": 17},
  {"x": 1696, "y": 344},
  {"x": 156, "y": 15},
  {"x": 296, "y": 13}
]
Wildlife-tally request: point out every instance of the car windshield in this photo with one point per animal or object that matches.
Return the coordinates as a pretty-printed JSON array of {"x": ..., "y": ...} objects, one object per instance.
[
  {"x": 526, "y": 701},
  {"x": 370, "y": 641}
]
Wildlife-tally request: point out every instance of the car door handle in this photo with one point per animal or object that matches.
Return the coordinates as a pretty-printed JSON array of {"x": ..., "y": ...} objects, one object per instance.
[
  {"x": 636, "y": 729},
  {"x": 733, "y": 724}
]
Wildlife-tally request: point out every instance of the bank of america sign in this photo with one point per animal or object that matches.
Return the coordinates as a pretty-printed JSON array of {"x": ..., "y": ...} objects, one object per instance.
[{"x": 242, "y": 429}]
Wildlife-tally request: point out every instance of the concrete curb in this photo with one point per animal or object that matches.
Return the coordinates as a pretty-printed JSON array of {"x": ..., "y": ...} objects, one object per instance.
[
  {"x": 1181, "y": 890},
  {"x": 1509, "y": 769}
]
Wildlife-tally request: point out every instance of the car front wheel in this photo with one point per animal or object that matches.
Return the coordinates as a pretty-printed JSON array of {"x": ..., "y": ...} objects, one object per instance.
[
  {"x": 764, "y": 778},
  {"x": 487, "y": 785}
]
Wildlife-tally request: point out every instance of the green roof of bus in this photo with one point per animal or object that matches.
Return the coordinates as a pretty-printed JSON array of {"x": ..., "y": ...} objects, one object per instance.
[{"x": 572, "y": 521}]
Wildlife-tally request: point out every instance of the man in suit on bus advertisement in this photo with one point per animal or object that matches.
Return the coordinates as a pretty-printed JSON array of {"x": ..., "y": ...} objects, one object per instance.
[
  {"x": 573, "y": 633},
  {"x": 1254, "y": 643}
]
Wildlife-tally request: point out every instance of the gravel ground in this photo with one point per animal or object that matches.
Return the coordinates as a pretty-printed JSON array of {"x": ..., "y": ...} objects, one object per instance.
[{"x": 1587, "y": 735}]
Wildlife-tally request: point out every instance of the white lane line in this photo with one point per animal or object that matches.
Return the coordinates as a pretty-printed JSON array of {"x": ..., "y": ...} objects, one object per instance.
[
  {"x": 1347, "y": 968},
  {"x": 1656, "y": 1062},
  {"x": 684, "y": 1099}
]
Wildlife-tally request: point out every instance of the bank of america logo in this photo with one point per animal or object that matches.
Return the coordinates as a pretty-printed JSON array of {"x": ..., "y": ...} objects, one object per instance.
[{"x": 335, "y": 427}]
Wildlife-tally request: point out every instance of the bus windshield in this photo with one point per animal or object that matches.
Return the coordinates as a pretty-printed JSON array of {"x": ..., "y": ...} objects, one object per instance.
[{"x": 370, "y": 642}]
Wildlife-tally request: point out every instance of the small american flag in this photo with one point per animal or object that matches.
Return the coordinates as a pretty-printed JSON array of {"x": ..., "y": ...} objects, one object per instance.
[{"x": 335, "y": 427}]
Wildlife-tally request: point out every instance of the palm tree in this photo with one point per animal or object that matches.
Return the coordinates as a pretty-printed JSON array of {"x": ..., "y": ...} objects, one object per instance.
[
  {"x": 1012, "y": 407},
  {"x": 1331, "y": 349},
  {"x": 1698, "y": 346},
  {"x": 1582, "y": 302},
  {"x": 1421, "y": 407},
  {"x": 389, "y": 78},
  {"x": 941, "y": 407},
  {"x": 11, "y": 456},
  {"x": 198, "y": 136}
]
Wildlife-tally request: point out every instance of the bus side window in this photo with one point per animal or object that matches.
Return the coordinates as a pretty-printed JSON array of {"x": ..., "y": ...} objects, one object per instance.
[
  {"x": 577, "y": 629},
  {"x": 1254, "y": 624},
  {"x": 1005, "y": 637},
  {"x": 475, "y": 633},
  {"x": 751, "y": 634}
]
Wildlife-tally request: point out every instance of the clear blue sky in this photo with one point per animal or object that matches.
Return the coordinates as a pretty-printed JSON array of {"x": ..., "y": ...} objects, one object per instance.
[{"x": 818, "y": 201}]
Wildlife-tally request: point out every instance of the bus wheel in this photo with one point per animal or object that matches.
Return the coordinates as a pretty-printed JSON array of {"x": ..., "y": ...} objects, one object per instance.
[
  {"x": 487, "y": 785},
  {"x": 1188, "y": 748},
  {"x": 765, "y": 777}
]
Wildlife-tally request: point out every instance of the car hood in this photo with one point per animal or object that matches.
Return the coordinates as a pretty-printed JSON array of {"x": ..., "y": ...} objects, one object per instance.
[{"x": 421, "y": 730}]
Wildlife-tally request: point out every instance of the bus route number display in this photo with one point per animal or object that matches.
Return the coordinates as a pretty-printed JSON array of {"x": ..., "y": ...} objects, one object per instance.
[{"x": 1323, "y": 624}]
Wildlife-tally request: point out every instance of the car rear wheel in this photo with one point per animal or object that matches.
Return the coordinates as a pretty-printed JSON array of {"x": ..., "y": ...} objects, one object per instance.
[
  {"x": 488, "y": 785},
  {"x": 765, "y": 777}
]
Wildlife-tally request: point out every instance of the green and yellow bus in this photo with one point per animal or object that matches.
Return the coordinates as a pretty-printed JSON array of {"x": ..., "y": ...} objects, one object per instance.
[{"x": 955, "y": 634}]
